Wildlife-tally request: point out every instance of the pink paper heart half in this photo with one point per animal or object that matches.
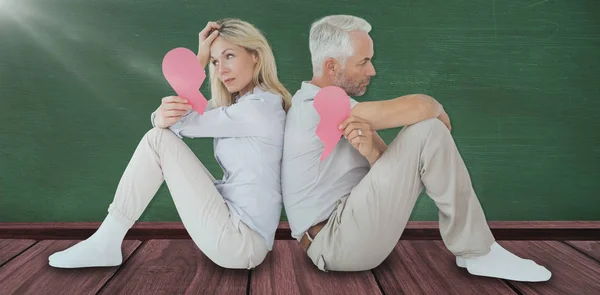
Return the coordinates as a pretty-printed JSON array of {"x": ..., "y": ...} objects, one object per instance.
[
  {"x": 333, "y": 105},
  {"x": 185, "y": 74}
]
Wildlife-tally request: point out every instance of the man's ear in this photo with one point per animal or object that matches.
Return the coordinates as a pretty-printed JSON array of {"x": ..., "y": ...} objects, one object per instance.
[{"x": 331, "y": 66}]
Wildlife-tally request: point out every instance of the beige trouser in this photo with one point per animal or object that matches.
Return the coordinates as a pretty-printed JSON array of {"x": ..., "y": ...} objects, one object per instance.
[
  {"x": 367, "y": 224},
  {"x": 162, "y": 156}
]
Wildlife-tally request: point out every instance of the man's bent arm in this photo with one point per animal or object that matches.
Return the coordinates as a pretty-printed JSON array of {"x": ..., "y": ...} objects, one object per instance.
[
  {"x": 398, "y": 112},
  {"x": 379, "y": 149},
  {"x": 379, "y": 143}
]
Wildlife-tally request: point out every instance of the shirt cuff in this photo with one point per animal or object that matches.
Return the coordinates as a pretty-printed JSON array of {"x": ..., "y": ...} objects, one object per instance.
[
  {"x": 176, "y": 128},
  {"x": 152, "y": 117}
]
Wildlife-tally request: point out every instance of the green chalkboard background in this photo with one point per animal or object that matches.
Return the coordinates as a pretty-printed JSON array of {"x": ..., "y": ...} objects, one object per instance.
[{"x": 79, "y": 79}]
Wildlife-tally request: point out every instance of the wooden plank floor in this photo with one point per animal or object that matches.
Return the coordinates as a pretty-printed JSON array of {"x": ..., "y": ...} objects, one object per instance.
[
  {"x": 178, "y": 267},
  {"x": 29, "y": 272},
  {"x": 571, "y": 269},
  {"x": 430, "y": 260},
  {"x": 175, "y": 267},
  {"x": 288, "y": 270}
]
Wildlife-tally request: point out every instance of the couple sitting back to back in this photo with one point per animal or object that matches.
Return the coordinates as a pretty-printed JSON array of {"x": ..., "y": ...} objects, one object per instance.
[{"x": 347, "y": 212}]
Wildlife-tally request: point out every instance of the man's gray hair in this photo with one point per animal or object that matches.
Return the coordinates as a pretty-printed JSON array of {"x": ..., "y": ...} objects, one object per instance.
[{"x": 329, "y": 38}]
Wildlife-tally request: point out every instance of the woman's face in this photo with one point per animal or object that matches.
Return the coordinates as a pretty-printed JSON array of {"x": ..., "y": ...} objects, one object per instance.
[{"x": 234, "y": 65}]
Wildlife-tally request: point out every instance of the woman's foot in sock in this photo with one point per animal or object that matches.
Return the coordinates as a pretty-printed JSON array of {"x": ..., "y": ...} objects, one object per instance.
[
  {"x": 88, "y": 253},
  {"x": 103, "y": 248}
]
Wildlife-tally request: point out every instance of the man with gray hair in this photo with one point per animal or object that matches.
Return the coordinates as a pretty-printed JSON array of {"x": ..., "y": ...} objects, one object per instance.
[{"x": 349, "y": 210}]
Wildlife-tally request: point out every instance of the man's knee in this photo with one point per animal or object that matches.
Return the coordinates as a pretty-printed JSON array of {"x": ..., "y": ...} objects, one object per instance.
[
  {"x": 422, "y": 130},
  {"x": 426, "y": 126}
]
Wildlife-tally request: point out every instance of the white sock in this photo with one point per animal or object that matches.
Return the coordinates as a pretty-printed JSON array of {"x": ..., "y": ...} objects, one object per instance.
[
  {"x": 500, "y": 263},
  {"x": 103, "y": 248}
]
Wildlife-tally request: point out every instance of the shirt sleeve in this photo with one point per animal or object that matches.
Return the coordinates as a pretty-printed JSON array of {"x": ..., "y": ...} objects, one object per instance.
[
  {"x": 152, "y": 117},
  {"x": 247, "y": 118},
  {"x": 209, "y": 107},
  {"x": 353, "y": 103}
]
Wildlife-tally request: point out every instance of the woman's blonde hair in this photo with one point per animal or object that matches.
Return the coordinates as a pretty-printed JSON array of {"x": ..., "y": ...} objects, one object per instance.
[{"x": 244, "y": 34}]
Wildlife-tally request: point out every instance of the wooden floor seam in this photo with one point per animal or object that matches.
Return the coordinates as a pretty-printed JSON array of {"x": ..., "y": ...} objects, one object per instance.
[
  {"x": 120, "y": 267},
  {"x": 15, "y": 256},
  {"x": 582, "y": 252}
]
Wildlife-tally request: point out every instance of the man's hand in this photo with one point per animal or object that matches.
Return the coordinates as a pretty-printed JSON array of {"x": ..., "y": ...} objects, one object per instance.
[
  {"x": 170, "y": 111},
  {"x": 358, "y": 132},
  {"x": 445, "y": 119}
]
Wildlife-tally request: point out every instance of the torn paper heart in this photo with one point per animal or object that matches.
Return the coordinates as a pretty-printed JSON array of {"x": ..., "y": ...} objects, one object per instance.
[
  {"x": 185, "y": 74},
  {"x": 333, "y": 105}
]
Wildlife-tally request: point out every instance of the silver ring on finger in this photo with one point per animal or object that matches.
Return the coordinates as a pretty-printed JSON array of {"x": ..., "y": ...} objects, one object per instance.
[{"x": 359, "y": 132}]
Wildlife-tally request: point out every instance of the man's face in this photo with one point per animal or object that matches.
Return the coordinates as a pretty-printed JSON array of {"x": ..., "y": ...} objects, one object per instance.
[{"x": 358, "y": 69}]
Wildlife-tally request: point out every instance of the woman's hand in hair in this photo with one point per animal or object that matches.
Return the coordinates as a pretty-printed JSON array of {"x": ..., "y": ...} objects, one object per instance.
[
  {"x": 206, "y": 37},
  {"x": 171, "y": 110}
]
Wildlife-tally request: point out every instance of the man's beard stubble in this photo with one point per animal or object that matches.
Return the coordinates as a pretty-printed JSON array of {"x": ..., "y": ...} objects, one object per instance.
[{"x": 352, "y": 88}]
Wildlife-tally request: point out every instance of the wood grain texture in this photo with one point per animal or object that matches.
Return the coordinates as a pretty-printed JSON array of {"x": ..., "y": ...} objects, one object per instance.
[
  {"x": 415, "y": 230},
  {"x": 175, "y": 267},
  {"x": 29, "y": 273},
  {"x": 287, "y": 270},
  {"x": 572, "y": 271},
  {"x": 427, "y": 267},
  {"x": 9, "y": 248},
  {"x": 592, "y": 248},
  {"x": 419, "y": 267}
]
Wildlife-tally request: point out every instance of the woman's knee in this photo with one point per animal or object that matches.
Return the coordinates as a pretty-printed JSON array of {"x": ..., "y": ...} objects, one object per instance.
[
  {"x": 157, "y": 132},
  {"x": 158, "y": 135}
]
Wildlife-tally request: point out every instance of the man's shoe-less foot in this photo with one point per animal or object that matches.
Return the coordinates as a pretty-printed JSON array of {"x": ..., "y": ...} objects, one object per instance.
[{"x": 500, "y": 263}]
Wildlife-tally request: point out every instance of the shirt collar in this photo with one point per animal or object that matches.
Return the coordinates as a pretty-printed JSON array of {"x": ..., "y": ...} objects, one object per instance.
[
  {"x": 254, "y": 91},
  {"x": 308, "y": 90}
]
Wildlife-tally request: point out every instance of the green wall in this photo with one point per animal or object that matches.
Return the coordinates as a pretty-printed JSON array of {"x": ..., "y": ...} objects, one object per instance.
[{"x": 79, "y": 79}]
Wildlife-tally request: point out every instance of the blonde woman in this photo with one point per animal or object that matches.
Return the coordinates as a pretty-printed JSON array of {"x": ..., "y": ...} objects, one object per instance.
[{"x": 232, "y": 220}]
